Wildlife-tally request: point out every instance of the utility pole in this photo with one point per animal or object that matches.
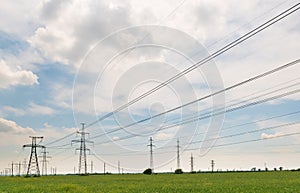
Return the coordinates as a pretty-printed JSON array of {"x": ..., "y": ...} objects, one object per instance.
[
  {"x": 119, "y": 167},
  {"x": 178, "y": 156},
  {"x": 92, "y": 166},
  {"x": 44, "y": 161},
  {"x": 212, "y": 165},
  {"x": 82, "y": 165},
  {"x": 151, "y": 154},
  {"x": 33, "y": 165},
  {"x": 192, "y": 163}
]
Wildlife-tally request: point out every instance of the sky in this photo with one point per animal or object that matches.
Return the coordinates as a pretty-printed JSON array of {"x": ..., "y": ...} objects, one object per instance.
[{"x": 67, "y": 62}]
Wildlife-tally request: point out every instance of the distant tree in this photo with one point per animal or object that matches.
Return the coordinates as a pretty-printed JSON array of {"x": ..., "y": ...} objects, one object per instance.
[
  {"x": 148, "y": 171},
  {"x": 275, "y": 169},
  {"x": 280, "y": 168},
  {"x": 178, "y": 171}
]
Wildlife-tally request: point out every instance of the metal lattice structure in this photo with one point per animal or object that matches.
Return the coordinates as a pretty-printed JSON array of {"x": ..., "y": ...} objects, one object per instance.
[
  {"x": 151, "y": 154},
  {"x": 192, "y": 163},
  {"x": 82, "y": 164},
  {"x": 44, "y": 160},
  {"x": 33, "y": 164},
  {"x": 178, "y": 155}
]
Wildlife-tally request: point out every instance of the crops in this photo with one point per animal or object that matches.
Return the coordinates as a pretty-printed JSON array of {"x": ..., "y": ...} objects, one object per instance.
[{"x": 202, "y": 182}]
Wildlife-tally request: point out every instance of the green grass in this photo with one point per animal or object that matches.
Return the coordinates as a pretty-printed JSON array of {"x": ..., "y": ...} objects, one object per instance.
[{"x": 203, "y": 182}]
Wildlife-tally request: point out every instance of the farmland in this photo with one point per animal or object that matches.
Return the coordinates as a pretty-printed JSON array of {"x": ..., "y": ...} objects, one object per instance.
[{"x": 203, "y": 182}]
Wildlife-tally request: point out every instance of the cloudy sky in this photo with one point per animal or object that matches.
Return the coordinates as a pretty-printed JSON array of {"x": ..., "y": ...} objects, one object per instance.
[{"x": 66, "y": 62}]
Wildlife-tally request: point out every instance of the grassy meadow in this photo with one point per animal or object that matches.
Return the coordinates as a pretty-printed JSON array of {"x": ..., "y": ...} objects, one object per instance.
[{"x": 203, "y": 182}]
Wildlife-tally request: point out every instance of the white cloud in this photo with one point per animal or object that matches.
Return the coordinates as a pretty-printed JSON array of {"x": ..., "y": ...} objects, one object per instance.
[
  {"x": 115, "y": 138},
  {"x": 11, "y": 127},
  {"x": 32, "y": 109},
  {"x": 36, "y": 109},
  {"x": 163, "y": 136},
  {"x": 12, "y": 77},
  {"x": 64, "y": 31},
  {"x": 61, "y": 95},
  {"x": 13, "y": 110},
  {"x": 53, "y": 132},
  {"x": 22, "y": 20},
  {"x": 277, "y": 132},
  {"x": 270, "y": 136},
  {"x": 65, "y": 39}
]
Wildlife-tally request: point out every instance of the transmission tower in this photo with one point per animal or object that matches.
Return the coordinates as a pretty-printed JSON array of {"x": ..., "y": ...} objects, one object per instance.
[
  {"x": 24, "y": 164},
  {"x": 178, "y": 156},
  {"x": 44, "y": 160},
  {"x": 192, "y": 163},
  {"x": 212, "y": 165},
  {"x": 104, "y": 168},
  {"x": 33, "y": 165},
  {"x": 151, "y": 154},
  {"x": 82, "y": 165},
  {"x": 13, "y": 165}
]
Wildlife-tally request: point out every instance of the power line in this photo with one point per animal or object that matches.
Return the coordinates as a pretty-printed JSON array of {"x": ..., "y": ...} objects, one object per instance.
[
  {"x": 234, "y": 126},
  {"x": 207, "y": 96},
  {"x": 251, "y": 140},
  {"x": 211, "y": 114},
  {"x": 217, "y": 138},
  {"x": 231, "y": 110},
  {"x": 205, "y": 60},
  {"x": 246, "y": 132},
  {"x": 60, "y": 139}
]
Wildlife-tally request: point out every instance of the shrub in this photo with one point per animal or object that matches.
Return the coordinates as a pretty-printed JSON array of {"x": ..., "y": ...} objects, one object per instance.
[
  {"x": 178, "y": 171},
  {"x": 148, "y": 171}
]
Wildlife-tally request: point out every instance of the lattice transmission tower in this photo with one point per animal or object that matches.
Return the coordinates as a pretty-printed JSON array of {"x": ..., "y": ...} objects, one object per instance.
[
  {"x": 151, "y": 154},
  {"x": 82, "y": 163},
  {"x": 44, "y": 161},
  {"x": 33, "y": 164}
]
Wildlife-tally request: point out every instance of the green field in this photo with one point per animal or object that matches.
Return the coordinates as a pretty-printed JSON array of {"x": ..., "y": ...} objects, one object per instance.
[{"x": 202, "y": 182}]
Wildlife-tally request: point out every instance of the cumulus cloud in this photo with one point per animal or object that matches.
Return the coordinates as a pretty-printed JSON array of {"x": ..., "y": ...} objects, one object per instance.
[
  {"x": 36, "y": 109},
  {"x": 13, "y": 110},
  {"x": 163, "y": 136},
  {"x": 32, "y": 109},
  {"x": 11, "y": 127},
  {"x": 270, "y": 136},
  {"x": 53, "y": 132},
  {"x": 10, "y": 77},
  {"x": 65, "y": 39},
  {"x": 116, "y": 138}
]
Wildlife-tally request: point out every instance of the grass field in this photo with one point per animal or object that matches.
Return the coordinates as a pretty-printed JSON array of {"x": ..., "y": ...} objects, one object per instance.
[{"x": 203, "y": 182}]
